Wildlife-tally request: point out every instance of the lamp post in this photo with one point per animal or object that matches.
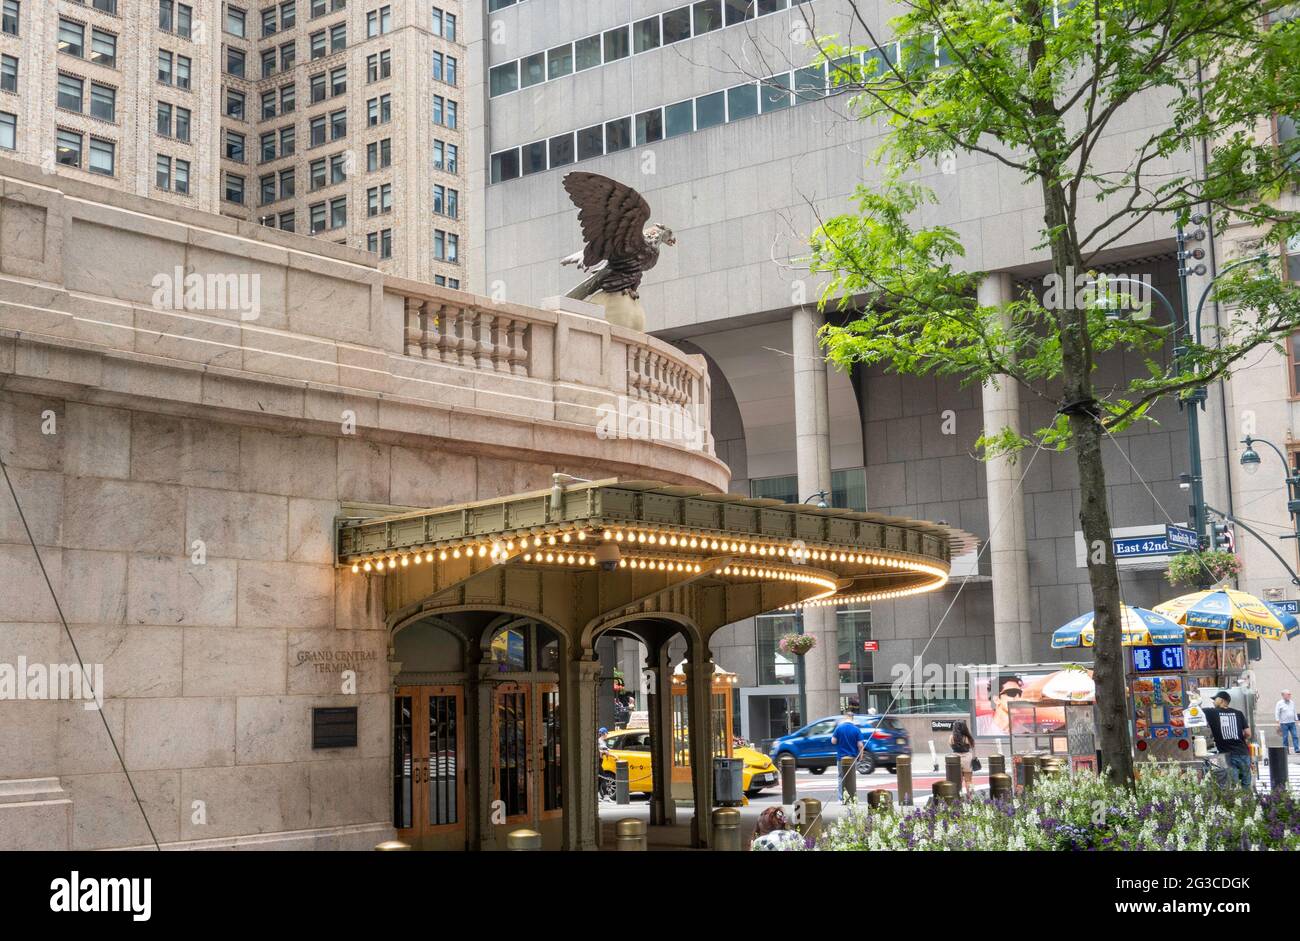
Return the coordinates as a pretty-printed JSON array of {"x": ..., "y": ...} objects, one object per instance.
[
  {"x": 1250, "y": 462},
  {"x": 800, "y": 671},
  {"x": 1186, "y": 327}
]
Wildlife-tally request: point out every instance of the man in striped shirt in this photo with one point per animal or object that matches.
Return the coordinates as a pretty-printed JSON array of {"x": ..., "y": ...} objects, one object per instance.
[{"x": 1231, "y": 735}]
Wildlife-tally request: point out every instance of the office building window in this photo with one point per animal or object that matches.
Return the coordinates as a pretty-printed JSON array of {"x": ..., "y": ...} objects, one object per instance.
[
  {"x": 316, "y": 41},
  {"x": 616, "y": 44},
  {"x": 8, "y": 130},
  {"x": 163, "y": 173},
  {"x": 679, "y": 118},
  {"x": 381, "y": 243},
  {"x": 316, "y": 218},
  {"x": 102, "y": 156},
  {"x": 235, "y": 146},
  {"x": 103, "y": 102},
  {"x": 268, "y": 104},
  {"x": 380, "y": 66},
  {"x": 181, "y": 180},
  {"x": 559, "y": 61},
  {"x": 235, "y": 104},
  {"x": 618, "y": 135},
  {"x": 288, "y": 140},
  {"x": 72, "y": 38},
  {"x": 236, "y": 22},
  {"x": 532, "y": 157},
  {"x": 68, "y": 148},
  {"x": 737, "y": 11},
  {"x": 444, "y": 24},
  {"x": 266, "y": 188},
  {"x": 379, "y": 110},
  {"x": 649, "y": 127},
  {"x": 71, "y": 90},
  {"x": 338, "y": 124},
  {"x": 645, "y": 35},
  {"x": 287, "y": 183},
  {"x": 183, "y": 124},
  {"x": 707, "y": 16},
  {"x": 379, "y": 154},
  {"x": 103, "y": 48},
  {"x": 562, "y": 151},
  {"x": 505, "y": 166},
  {"x": 316, "y": 174},
  {"x": 163, "y": 121},
  {"x": 287, "y": 222},
  {"x": 338, "y": 37},
  {"x": 586, "y": 53},
  {"x": 266, "y": 146},
  {"x": 503, "y": 79},
  {"x": 338, "y": 168},
  {"x": 677, "y": 25},
  {"x": 710, "y": 110},
  {"x": 235, "y": 59},
  {"x": 8, "y": 73},
  {"x": 379, "y": 199},
  {"x": 379, "y": 22},
  {"x": 532, "y": 70},
  {"x": 234, "y": 188},
  {"x": 183, "y": 72},
  {"x": 165, "y": 70},
  {"x": 317, "y": 86},
  {"x": 338, "y": 212},
  {"x": 9, "y": 21},
  {"x": 338, "y": 80},
  {"x": 317, "y": 129},
  {"x": 288, "y": 99},
  {"x": 742, "y": 102}
]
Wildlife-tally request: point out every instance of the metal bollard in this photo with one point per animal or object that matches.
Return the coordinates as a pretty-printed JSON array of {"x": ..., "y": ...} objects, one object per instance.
[
  {"x": 808, "y": 817},
  {"x": 621, "y": 795},
  {"x": 1029, "y": 766},
  {"x": 1278, "y": 773},
  {"x": 849, "y": 777},
  {"x": 879, "y": 799},
  {"x": 726, "y": 829},
  {"x": 630, "y": 835},
  {"x": 523, "y": 840},
  {"x": 997, "y": 764},
  {"x": 1000, "y": 786},
  {"x": 904, "y": 770},
  {"x": 789, "y": 791},
  {"x": 945, "y": 791},
  {"x": 952, "y": 770},
  {"x": 391, "y": 845}
]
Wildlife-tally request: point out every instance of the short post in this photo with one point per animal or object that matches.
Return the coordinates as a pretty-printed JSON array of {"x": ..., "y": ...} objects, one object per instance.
[
  {"x": 726, "y": 829},
  {"x": 523, "y": 841},
  {"x": 789, "y": 791},
  {"x": 997, "y": 764},
  {"x": 1000, "y": 786},
  {"x": 621, "y": 779},
  {"x": 630, "y": 835},
  {"x": 945, "y": 791},
  {"x": 934, "y": 757},
  {"x": 849, "y": 777},
  {"x": 1277, "y": 769},
  {"x": 879, "y": 799},
  {"x": 389, "y": 846},
  {"x": 904, "y": 769},
  {"x": 1029, "y": 765},
  {"x": 952, "y": 769},
  {"x": 808, "y": 819}
]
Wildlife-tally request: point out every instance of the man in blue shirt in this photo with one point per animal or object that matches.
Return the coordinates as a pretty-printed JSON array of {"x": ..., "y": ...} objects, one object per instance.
[{"x": 849, "y": 743}]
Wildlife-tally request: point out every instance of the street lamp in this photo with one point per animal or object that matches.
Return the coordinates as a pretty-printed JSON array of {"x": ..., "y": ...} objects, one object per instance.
[
  {"x": 800, "y": 672},
  {"x": 1250, "y": 463}
]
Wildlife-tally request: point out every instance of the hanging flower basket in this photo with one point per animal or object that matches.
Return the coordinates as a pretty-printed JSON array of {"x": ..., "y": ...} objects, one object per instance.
[
  {"x": 796, "y": 644},
  {"x": 1186, "y": 567}
]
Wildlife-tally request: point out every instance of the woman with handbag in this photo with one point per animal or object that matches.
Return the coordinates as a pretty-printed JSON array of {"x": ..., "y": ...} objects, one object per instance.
[{"x": 963, "y": 745}]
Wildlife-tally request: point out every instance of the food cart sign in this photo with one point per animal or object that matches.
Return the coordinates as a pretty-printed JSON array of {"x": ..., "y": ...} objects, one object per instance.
[{"x": 1166, "y": 658}]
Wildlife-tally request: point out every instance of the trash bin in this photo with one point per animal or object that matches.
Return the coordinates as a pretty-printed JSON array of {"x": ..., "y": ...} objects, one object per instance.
[{"x": 729, "y": 782}]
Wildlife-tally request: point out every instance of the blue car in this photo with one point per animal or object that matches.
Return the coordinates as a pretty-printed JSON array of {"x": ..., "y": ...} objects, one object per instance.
[{"x": 812, "y": 749}]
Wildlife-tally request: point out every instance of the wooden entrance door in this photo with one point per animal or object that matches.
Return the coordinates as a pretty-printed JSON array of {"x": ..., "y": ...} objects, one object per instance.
[
  {"x": 428, "y": 768},
  {"x": 526, "y": 754}
]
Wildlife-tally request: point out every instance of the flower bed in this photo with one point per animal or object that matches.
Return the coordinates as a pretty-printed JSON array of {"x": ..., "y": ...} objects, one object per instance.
[{"x": 1170, "y": 810}]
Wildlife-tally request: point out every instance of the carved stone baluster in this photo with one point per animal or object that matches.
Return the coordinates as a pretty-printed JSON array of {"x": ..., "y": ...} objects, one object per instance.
[
  {"x": 518, "y": 352},
  {"x": 483, "y": 340},
  {"x": 446, "y": 333},
  {"x": 501, "y": 343},
  {"x": 465, "y": 336},
  {"x": 413, "y": 338},
  {"x": 636, "y": 380},
  {"x": 429, "y": 327}
]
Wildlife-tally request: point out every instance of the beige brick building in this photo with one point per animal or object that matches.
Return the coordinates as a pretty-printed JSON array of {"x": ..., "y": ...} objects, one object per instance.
[{"x": 326, "y": 117}]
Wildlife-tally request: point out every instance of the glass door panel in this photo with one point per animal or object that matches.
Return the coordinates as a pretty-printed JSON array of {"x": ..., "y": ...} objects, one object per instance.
[{"x": 513, "y": 764}]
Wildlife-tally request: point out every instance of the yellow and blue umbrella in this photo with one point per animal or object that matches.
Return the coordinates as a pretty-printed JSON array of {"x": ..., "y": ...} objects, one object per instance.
[
  {"x": 1139, "y": 626},
  {"x": 1226, "y": 609}
]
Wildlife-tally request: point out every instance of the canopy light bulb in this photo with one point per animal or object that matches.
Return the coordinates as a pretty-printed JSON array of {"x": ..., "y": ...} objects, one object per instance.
[{"x": 355, "y": 568}]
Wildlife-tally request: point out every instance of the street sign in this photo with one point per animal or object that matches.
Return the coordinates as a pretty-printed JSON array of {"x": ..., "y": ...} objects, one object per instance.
[
  {"x": 870, "y": 646},
  {"x": 1180, "y": 538},
  {"x": 1289, "y": 606},
  {"x": 941, "y": 725},
  {"x": 1133, "y": 547}
]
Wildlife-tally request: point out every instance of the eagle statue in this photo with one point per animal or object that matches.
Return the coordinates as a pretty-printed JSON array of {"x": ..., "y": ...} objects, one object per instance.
[{"x": 619, "y": 246}]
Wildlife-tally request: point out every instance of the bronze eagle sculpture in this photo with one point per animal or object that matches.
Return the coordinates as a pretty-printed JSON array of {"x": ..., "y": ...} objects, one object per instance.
[{"x": 619, "y": 246}]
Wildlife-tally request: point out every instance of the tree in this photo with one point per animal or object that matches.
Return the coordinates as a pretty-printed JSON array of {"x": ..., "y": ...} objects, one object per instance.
[{"x": 1036, "y": 87}]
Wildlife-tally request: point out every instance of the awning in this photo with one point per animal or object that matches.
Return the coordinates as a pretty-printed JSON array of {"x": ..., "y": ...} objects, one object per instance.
[{"x": 828, "y": 556}]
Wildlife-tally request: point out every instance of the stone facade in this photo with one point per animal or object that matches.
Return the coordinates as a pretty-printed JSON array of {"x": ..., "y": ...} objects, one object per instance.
[{"x": 181, "y": 469}]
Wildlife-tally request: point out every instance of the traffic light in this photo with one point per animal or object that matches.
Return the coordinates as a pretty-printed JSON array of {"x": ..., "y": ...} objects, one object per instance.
[{"x": 1223, "y": 537}]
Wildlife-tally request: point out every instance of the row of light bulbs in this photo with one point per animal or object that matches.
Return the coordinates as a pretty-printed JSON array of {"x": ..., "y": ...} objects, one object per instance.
[
  {"x": 941, "y": 579},
  {"x": 553, "y": 543}
]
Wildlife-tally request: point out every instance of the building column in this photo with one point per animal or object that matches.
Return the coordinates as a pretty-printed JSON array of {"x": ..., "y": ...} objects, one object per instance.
[
  {"x": 699, "y": 668},
  {"x": 578, "y": 706},
  {"x": 659, "y": 704},
  {"x": 1008, "y": 549},
  {"x": 813, "y": 463}
]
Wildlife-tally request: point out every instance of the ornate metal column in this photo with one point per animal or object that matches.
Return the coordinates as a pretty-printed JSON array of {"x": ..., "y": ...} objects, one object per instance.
[
  {"x": 699, "y": 689},
  {"x": 578, "y": 707}
]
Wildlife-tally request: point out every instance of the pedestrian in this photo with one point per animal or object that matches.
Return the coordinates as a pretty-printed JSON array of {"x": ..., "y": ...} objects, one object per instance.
[
  {"x": 1231, "y": 734},
  {"x": 1284, "y": 711},
  {"x": 602, "y": 741},
  {"x": 962, "y": 744},
  {"x": 849, "y": 743},
  {"x": 773, "y": 832}
]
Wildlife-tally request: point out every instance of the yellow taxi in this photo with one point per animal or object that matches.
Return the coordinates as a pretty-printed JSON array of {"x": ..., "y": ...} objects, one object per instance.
[{"x": 633, "y": 746}]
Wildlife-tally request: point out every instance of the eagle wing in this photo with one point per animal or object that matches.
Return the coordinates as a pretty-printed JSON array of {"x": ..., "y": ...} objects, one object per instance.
[{"x": 612, "y": 216}]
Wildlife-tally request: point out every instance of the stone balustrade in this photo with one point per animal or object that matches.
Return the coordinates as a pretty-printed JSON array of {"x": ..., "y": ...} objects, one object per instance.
[{"x": 110, "y": 287}]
